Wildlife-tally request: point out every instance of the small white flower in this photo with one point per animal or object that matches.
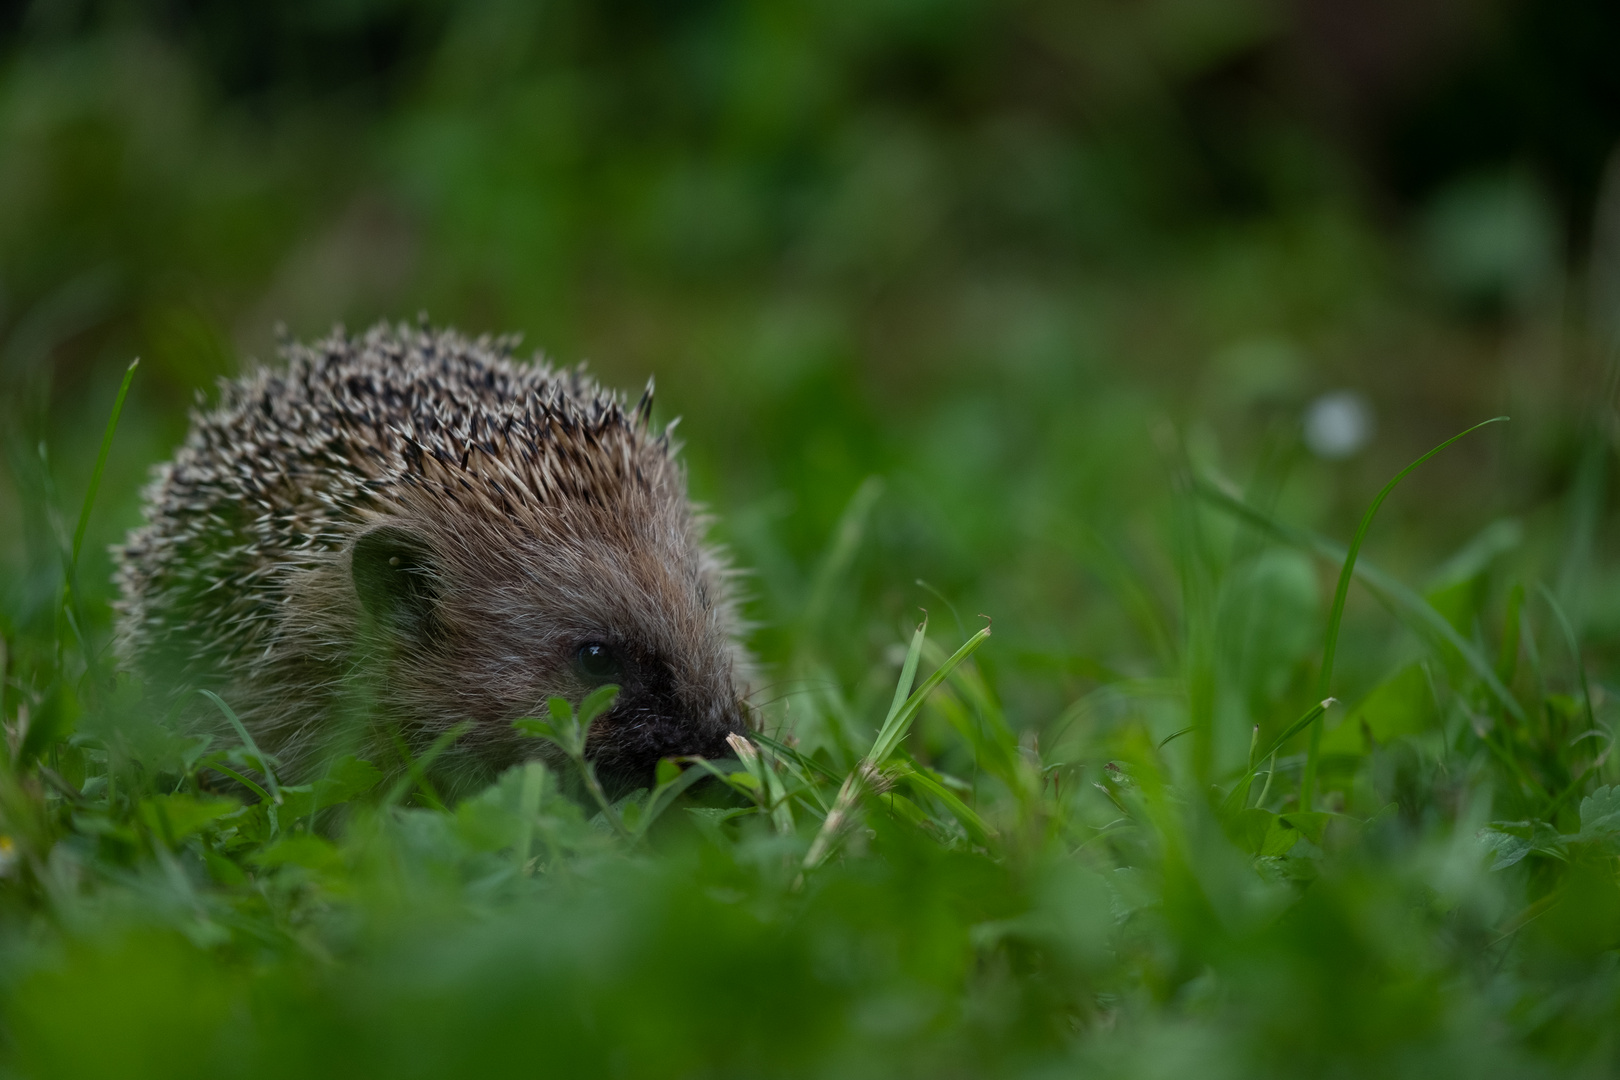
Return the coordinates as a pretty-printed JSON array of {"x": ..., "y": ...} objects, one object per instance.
[{"x": 1338, "y": 424}]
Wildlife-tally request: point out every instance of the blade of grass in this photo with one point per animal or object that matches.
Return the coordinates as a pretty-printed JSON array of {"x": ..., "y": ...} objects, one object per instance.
[
  {"x": 1238, "y": 796},
  {"x": 902, "y": 688},
  {"x": 894, "y": 730},
  {"x": 1330, "y": 645},
  {"x": 247, "y": 741},
  {"x": 846, "y": 541},
  {"x": 416, "y": 769},
  {"x": 219, "y": 766},
  {"x": 975, "y": 825},
  {"x": 899, "y": 722},
  {"x": 101, "y": 460},
  {"x": 1419, "y": 614},
  {"x": 663, "y": 797},
  {"x": 1507, "y": 656},
  {"x": 802, "y": 760},
  {"x": 1574, "y": 652},
  {"x": 274, "y": 799}
]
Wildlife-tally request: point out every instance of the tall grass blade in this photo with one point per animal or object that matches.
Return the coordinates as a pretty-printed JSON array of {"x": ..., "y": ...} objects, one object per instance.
[
  {"x": 1239, "y": 793},
  {"x": 1331, "y": 644},
  {"x": 1507, "y": 655},
  {"x": 1574, "y": 652},
  {"x": 893, "y": 731},
  {"x": 902, "y": 689},
  {"x": 416, "y": 768},
  {"x": 846, "y": 541},
  {"x": 101, "y": 462},
  {"x": 899, "y": 722},
  {"x": 1407, "y": 605},
  {"x": 977, "y": 828},
  {"x": 247, "y": 741}
]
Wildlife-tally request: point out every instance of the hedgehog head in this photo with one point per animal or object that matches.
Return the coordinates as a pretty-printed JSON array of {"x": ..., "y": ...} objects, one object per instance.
[{"x": 550, "y": 558}]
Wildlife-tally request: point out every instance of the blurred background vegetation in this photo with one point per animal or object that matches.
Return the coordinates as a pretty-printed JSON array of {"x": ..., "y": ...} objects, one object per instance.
[
  {"x": 983, "y": 250},
  {"x": 1016, "y": 260}
]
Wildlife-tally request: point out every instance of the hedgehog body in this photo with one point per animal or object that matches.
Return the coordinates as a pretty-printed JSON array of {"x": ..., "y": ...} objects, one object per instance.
[{"x": 403, "y": 531}]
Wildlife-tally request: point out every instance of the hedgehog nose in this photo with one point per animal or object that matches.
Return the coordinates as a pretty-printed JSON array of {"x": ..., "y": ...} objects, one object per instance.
[{"x": 719, "y": 743}]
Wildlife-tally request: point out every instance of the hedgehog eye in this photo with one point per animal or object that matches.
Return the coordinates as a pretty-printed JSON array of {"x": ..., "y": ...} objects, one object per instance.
[{"x": 598, "y": 662}]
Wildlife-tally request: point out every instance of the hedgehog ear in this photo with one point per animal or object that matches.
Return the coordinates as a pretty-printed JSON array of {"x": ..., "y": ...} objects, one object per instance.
[{"x": 395, "y": 577}]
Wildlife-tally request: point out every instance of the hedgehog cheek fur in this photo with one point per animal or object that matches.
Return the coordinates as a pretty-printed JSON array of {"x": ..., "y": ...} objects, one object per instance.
[{"x": 498, "y": 628}]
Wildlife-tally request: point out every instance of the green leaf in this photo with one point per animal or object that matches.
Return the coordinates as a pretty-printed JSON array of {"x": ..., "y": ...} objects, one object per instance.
[
  {"x": 1312, "y": 823},
  {"x": 1402, "y": 704},
  {"x": 596, "y": 703},
  {"x": 310, "y": 852},
  {"x": 223, "y": 870},
  {"x": 1458, "y": 587},
  {"x": 669, "y": 788},
  {"x": 536, "y": 728},
  {"x": 1280, "y": 838},
  {"x": 297, "y": 801},
  {"x": 1249, "y": 828},
  {"x": 52, "y": 722},
  {"x": 1511, "y": 841},
  {"x": 980, "y": 832},
  {"x": 1506, "y": 849},
  {"x": 346, "y": 778},
  {"x": 1600, "y": 814},
  {"x": 178, "y": 816}
]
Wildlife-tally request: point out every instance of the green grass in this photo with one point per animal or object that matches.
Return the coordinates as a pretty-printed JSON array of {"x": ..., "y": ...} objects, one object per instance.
[{"x": 924, "y": 891}]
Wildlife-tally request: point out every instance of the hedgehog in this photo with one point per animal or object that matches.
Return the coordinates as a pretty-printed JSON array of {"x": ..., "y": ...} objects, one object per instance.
[{"x": 400, "y": 533}]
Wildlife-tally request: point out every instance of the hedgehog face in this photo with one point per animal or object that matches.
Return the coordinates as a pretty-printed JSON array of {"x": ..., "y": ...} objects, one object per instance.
[{"x": 488, "y": 625}]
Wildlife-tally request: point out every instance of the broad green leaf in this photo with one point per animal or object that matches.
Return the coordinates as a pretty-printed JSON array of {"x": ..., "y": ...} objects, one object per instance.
[
  {"x": 1249, "y": 828},
  {"x": 310, "y": 852},
  {"x": 1401, "y": 705},
  {"x": 1312, "y": 823},
  {"x": 346, "y": 778},
  {"x": 1511, "y": 841},
  {"x": 178, "y": 816},
  {"x": 1600, "y": 814},
  {"x": 1280, "y": 838}
]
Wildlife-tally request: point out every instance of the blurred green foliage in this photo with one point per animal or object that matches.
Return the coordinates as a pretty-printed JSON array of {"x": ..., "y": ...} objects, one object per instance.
[{"x": 1005, "y": 308}]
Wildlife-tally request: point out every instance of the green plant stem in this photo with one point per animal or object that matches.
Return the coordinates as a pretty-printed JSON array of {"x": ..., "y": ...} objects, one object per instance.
[{"x": 595, "y": 788}]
